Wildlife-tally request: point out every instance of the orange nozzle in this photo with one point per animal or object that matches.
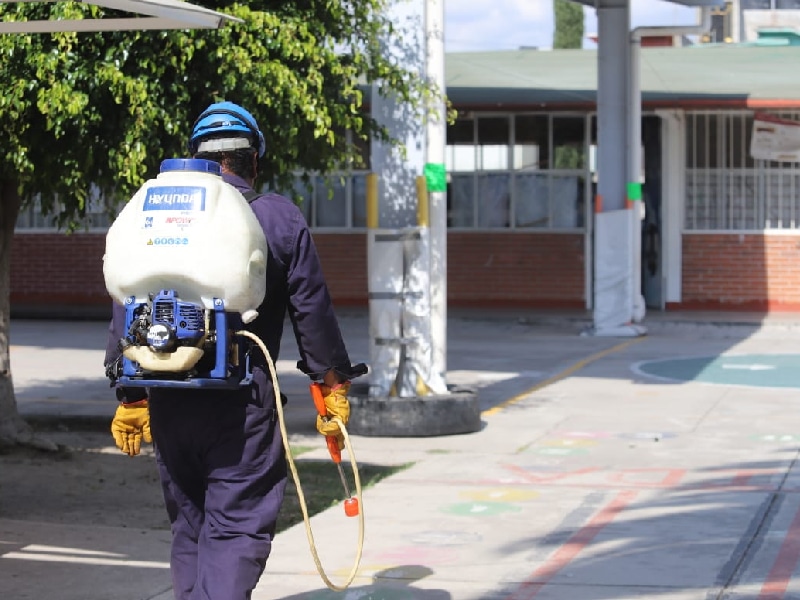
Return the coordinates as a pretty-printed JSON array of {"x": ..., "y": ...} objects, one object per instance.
[{"x": 351, "y": 507}]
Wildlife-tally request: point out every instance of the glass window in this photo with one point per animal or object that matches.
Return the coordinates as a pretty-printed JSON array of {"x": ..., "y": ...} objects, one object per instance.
[
  {"x": 97, "y": 214},
  {"x": 460, "y": 201},
  {"x": 359, "y": 187},
  {"x": 461, "y": 158},
  {"x": 31, "y": 217},
  {"x": 501, "y": 170},
  {"x": 493, "y": 143},
  {"x": 569, "y": 142},
  {"x": 330, "y": 202},
  {"x": 566, "y": 197},
  {"x": 460, "y": 153},
  {"x": 461, "y": 132},
  {"x": 493, "y": 199},
  {"x": 532, "y": 205},
  {"x": 531, "y": 142}
]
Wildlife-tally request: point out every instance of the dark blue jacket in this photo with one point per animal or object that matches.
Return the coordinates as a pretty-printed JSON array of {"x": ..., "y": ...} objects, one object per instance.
[{"x": 295, "y": 285}]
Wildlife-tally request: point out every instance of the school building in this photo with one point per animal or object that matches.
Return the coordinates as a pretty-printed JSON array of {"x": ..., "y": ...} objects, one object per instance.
[{"x": 721, "y": 229}]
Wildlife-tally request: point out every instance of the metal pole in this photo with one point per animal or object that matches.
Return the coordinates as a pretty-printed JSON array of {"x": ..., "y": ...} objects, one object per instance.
[
  {"x": 613, "y": 305},
  {"x": 635, "y": 173}
]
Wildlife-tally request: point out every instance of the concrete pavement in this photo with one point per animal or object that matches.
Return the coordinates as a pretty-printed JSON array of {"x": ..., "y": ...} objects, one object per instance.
[{"x": 594, "y": 477}]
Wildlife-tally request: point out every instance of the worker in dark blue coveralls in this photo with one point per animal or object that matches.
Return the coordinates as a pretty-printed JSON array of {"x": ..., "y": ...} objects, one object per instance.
[{"x": 220, "y": 454}]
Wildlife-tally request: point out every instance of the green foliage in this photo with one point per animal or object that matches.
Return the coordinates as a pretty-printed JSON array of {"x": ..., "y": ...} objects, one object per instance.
[
  {"x": 568, "y": 157},
  {"x": 78, "y": 109},
  {"x": 568, "y": 24}
]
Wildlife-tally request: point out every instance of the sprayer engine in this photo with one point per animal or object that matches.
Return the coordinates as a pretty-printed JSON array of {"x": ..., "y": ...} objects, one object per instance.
[{"x": 173, "y": 343}]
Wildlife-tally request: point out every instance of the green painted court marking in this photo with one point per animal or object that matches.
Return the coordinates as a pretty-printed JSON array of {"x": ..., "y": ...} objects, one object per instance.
[
  {"x": 481, "y": 509},
  {"x": 500, "y": 495},
  {"x": 755, "y": 370}
]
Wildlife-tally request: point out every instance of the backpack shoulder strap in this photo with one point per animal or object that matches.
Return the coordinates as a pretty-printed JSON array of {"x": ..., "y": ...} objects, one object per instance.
[{"x": 251, "y": 195}]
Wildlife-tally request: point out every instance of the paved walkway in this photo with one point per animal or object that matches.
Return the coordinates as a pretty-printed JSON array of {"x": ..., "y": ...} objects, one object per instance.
[{"x": 591, "y": 479}]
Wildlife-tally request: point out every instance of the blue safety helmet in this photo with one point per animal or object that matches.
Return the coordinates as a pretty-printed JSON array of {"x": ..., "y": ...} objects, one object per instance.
[{"x": 225, "y": 126}]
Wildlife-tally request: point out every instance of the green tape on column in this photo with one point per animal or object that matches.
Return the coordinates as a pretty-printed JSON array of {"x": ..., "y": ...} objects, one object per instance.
[
  {"x": 436, "y": 177},
  {"x": 634, "y": 191}
]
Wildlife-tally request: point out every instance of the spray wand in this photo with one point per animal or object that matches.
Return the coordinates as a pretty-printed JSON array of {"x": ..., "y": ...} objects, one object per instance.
[
  {"x": 350, "y": 504},
  {"x": 353, "y": 509}
]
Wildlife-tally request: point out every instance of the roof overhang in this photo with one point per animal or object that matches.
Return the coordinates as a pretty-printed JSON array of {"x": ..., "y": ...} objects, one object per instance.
[
  {"x": 705, "y": 76},
  {"x": 697, "y": 3},
  {"x": 146, "y": 14}
]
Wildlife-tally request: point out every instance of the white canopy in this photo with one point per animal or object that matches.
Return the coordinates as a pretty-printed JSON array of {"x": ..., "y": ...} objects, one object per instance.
[{"x": 145, "y": 14}]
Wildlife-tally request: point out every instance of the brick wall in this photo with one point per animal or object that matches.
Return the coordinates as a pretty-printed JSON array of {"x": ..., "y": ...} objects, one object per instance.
[
  {"x": 741, "y": 272},
  {"x": 516, "y": 269},
  {"x": 56, "y": 270},
  {"x": 61, "y": 275},
  {"x": 344, "y": 262}
]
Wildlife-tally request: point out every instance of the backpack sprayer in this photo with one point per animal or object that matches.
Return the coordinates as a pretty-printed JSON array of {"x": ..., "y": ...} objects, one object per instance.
[{"x": 187, "y": 259}]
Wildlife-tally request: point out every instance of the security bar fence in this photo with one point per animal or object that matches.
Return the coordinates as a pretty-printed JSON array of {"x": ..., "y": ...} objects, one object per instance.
[
  {"x": 535, "y": 172},
  {"x": 726, "y": 188},
  {"x": 519, "y": 171},
  {"x": 32, "y": 217},
  {"x": 335, "y": 201}
]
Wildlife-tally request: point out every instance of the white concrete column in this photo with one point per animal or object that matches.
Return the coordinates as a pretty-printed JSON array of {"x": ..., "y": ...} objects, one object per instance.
[
  {"x": 436, "y": 131},
  {"x": 673, "y": 194},
  {"x": 397, "y": 190}
]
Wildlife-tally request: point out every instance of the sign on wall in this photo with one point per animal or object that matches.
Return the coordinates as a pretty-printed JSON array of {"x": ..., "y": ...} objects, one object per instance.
[{"x": 775, "y": 139}]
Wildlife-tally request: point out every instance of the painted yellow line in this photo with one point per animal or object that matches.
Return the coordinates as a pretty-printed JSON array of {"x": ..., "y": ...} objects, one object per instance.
[{"x": 559, "y": 376}]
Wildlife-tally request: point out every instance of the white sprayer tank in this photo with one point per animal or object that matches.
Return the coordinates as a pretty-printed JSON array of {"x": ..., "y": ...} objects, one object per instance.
[{"x": 189, "y": 231}]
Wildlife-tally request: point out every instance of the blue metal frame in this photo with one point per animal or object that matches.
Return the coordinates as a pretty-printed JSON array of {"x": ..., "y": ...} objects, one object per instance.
[{"x": 218, "y": 377}]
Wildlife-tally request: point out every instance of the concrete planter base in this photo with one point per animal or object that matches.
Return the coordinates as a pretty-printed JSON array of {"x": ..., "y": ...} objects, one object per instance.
[{"x": 450, "y": 414}]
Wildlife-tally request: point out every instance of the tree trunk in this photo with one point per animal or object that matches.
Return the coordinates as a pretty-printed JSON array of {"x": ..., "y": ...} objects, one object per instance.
[{"x": 13, "y": 428}]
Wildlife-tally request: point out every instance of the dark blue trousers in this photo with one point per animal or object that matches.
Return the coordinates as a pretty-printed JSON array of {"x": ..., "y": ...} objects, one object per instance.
[{"x": 223, "y": 471}]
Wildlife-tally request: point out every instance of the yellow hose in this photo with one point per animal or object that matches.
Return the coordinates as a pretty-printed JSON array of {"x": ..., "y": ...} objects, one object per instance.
[{"x": 309, "y": 534}]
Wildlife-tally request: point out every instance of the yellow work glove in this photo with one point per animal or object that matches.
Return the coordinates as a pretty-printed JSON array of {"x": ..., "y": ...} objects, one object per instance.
[
  {"x": 131, "y": 425},
  {"x": 337, "y": 406}
]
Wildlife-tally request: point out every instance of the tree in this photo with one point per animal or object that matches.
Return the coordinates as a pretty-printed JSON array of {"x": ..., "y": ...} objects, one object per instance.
[
  {"x": 568, "y": 24},
  {"x": 568, "y": 35},
  {"x": 103, "y": 109}
]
